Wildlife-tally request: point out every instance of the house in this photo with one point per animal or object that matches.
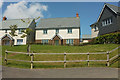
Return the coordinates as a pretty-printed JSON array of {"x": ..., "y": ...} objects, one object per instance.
[
  {"x": 107, "y": 22},
  {"x": 86, "y": 38},
  {"x": 22, "y": 24},
  {"x": 59, "y": 31}
]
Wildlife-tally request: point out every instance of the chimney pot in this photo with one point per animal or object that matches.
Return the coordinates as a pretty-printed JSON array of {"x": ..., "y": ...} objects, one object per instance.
[
  {"x": 77, "y": 15},
  {"x": 4, "y": 18}
]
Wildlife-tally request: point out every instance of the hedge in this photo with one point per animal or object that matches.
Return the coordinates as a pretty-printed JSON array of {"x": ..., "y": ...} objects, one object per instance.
[{"x": 107, "y": 38}]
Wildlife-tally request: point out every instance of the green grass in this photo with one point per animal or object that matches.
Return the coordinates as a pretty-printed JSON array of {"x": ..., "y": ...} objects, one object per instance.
[{"x": 60, "y": 49}]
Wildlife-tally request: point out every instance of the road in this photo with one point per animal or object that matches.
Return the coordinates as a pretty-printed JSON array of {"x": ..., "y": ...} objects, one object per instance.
[{"x": 85, "y": 72}]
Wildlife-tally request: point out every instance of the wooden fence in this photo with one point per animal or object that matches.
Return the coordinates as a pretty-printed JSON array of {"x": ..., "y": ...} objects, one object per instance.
[{"x": 65, "y": 54}]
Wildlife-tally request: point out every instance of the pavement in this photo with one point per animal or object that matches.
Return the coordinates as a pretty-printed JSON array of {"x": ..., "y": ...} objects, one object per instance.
[
  {"x": 84, "y": 72},
  {"x": 0, "y": 72}
]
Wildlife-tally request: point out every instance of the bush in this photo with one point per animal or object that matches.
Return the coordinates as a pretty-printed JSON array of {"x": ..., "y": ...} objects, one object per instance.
[{"x": 107, "y": 38}]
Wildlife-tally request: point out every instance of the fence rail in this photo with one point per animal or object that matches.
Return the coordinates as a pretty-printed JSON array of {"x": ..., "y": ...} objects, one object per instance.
[{"x": 65, "y": 54}]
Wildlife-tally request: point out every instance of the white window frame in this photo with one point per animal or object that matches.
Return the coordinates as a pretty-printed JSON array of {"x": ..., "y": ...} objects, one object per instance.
[
  {"x": 45, "y": 31},
  {"x": 19, "y": 43},
  {"x": 70, "y": 41},
  {"x": 70, "y": 30}
]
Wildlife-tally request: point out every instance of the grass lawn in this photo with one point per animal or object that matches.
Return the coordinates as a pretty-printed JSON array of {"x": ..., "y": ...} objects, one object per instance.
[{"x": 60, "y": 49}]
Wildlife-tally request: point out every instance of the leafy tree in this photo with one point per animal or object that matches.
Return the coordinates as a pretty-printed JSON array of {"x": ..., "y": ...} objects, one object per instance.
[
  {"x": 26, "y": 33},
  {"x": 13, "y": 29},
  {"x": 107, "y": 38}
]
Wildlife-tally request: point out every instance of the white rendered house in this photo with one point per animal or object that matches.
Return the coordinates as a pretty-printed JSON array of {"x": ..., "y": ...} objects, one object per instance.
[
  {"x": 59, "y": 31},
  {"x": 7, "y": 39}
]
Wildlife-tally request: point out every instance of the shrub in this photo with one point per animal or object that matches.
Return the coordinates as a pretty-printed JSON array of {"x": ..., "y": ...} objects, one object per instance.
[{"x": 107, "y": 38}]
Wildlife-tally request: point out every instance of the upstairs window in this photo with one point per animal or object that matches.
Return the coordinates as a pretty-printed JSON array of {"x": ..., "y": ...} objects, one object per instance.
[
  {"x": 57, "y": 31},
  {"x": 5, "y": 31},
  {"x": 20, "y": 31},
  {"x": 69, "y": 30},
  {"x": 107, "y": 22},
  {"x": 45, "y": 31}
]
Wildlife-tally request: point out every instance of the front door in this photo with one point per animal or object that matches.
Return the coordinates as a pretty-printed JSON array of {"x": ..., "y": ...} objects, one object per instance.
[
  {"x": 56, "y": 42},
  {"x": 7, "y": 42}
]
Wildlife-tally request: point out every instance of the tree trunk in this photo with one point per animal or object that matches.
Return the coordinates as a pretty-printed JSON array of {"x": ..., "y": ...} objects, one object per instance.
[{"x": 28, "y": 49}]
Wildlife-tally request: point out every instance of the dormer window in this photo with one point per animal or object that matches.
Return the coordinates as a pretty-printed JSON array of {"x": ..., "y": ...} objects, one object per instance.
[{"x": 107, "y": 21}]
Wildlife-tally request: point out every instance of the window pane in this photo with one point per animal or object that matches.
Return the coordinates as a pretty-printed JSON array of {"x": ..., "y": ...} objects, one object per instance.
[
  {"x": 69, "y": 30},
  {"x": 19, "y": 41},
  {"x": 69, "y": 41},
  {"x": 44, "y": 31},
  {"x": 57, "y": 30},
  {"x": 45, "y": 41}
]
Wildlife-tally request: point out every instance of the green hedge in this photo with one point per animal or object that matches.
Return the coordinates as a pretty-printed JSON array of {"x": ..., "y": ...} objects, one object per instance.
[{"x": 107, "y": 38}]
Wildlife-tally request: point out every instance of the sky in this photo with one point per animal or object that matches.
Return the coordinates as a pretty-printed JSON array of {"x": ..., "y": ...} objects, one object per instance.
[{"x": 88, "y": 11}]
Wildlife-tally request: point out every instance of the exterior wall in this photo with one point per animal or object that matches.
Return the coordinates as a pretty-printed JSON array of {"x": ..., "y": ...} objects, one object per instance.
[
  {"x": 61, "y": 42},
  {"x": 62, "y": 32},
  {"x": 32, "y": 34},
  {"x": 15, "y": 38},
  {"x": 109, "y": 28},
  {"x": 94, "y": 33}
]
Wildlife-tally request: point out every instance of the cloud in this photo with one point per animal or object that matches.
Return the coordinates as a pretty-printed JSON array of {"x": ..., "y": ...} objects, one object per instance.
[
  {"x": 25, "y": 10},
  {"x": 1, "y": 3}
]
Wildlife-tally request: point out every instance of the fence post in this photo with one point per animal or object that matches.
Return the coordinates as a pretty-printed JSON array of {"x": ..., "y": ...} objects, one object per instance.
[
  {"x": 6, "y": 56},
  {"x": 108, "y": 64},
  {"x": 88, "y": 59},
  {"x": 65, "y": 60},
  {"x": 32, "y": 57}
]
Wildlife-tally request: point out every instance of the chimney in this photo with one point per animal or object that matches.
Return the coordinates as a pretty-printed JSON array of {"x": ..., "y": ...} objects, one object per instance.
[
  {"x": 77, "y": 15},
  {"x": 4, "y": 18}
]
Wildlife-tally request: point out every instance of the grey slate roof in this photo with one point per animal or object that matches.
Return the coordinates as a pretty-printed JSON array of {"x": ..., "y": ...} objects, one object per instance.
[
  {"x": 19, "y": 22},
  {"x": 59, "y": 23},
  {"x": 113, "y": 7}
]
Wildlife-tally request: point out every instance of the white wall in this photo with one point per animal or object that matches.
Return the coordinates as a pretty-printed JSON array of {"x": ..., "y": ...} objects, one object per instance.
[
  {"x": 62, "y": 32},
  {"x": 2, "y": 33},
  {"x": 94, "y": 33}
]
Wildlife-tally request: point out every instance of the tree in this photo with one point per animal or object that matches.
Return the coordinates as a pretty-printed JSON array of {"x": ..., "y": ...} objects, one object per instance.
[
  {"x": 27, "y": 32},
  {"x": 13, "y": 29}
]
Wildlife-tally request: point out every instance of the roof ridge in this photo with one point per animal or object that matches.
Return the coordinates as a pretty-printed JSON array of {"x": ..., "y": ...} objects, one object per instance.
[
  {"x": 110, "y": 4},
  {"x": 19, "y": 19},
  {"x": 59, "y": 17}
]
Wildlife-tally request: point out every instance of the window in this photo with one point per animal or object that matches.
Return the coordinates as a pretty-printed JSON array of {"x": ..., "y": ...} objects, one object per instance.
[
  {"x": 44, "y": 31},
  {"x": 19, "y": 41},
  {"x": 69, "y": 30},
  {"x": 57, "y": 30},
  {"x": 96, "y": 28},
  {"x": 69, "y": 41},
  {"x": 107, "y": 22},
  {"x": 20, "y": 31},
  {"x": 5, "y": 31},
  {"x": 45, "y": 41}
]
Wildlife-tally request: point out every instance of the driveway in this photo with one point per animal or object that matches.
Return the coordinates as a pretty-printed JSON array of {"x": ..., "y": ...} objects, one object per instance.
[{"x": 9, "y": 72}]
